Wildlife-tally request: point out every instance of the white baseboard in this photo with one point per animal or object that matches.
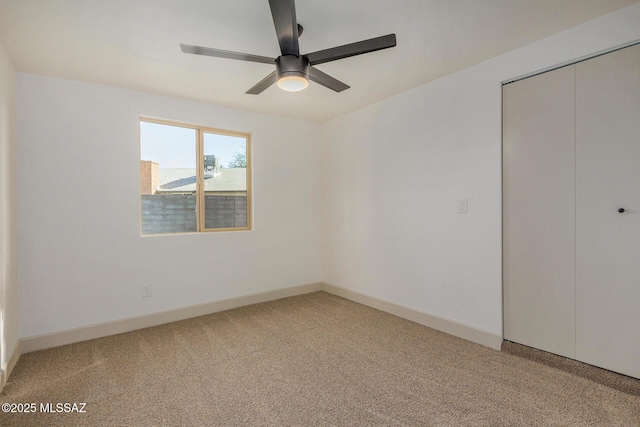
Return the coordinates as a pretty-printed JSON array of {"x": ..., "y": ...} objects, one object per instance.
[
  {"x": 55, "y": 339},
  {"x": 84, "y": 333},
  {"x": 451, "y": 327},
  {"x": 11, "y": 363}
]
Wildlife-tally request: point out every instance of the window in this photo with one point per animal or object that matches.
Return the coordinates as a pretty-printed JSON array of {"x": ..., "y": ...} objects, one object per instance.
[{"x": 193, "y": 178}]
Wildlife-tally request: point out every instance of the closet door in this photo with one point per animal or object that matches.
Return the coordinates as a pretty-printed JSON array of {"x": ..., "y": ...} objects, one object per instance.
[
  {"x": 539, "y": 211},
  {"x": 608, "y": 241}
]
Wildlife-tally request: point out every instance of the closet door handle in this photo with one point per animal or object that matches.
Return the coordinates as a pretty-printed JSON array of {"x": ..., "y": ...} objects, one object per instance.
[{"x": 621, "y": 210}]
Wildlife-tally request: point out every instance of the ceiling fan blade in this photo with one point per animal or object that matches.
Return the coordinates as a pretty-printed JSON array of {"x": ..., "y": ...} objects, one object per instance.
[
  {"x": 326, "y": 80},
  {"x": 352, "y": 49},
  {"x": 264, "y": 83},
  {"x": 207, "y": 51},
  {"x": 284, "y": 19}
]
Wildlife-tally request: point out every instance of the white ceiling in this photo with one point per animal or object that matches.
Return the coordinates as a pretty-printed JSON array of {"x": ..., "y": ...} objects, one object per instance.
[{"x": 136, "y": 44}]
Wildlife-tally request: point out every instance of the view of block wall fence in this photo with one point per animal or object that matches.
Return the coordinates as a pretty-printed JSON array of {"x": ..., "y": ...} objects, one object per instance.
[{"x": 176, "y": 213}]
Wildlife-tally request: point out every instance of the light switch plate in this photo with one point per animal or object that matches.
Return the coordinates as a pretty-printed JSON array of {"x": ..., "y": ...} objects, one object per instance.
[{"x": 462, "y": 206}]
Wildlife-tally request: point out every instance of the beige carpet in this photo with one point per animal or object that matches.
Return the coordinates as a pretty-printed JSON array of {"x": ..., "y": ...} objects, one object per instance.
[{"x": 310, "y": 360}]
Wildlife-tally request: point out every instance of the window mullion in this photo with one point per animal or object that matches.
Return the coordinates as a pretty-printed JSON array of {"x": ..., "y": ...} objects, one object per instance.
[{"x": 199, "y": 180}]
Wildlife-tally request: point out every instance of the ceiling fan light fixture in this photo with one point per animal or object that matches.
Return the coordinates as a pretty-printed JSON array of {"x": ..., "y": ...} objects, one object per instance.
[
  {"x": 292, "y": 72},
  {"x": 293, "y": 83}
]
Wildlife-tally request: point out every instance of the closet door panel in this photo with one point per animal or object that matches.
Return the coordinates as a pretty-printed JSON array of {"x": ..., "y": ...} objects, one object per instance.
[
  {"x": 539, "y": 211},
  {"x": 608, "y": 241}
]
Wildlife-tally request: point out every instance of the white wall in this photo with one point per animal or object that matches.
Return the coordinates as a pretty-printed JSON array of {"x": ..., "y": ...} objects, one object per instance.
[
  {"x": 373, "y": 194},
  {"x": 8, "y": 246},
  {"x": 81, "y": 258},
  {"x": 396, "y": 170}
]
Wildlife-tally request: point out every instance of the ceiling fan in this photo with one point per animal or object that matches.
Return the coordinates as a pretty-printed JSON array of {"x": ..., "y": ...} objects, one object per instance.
[{"x": 293, "y": 71}]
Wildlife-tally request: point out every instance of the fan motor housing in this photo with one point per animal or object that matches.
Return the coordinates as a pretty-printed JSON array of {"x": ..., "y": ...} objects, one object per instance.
[{"x": 292, "y": 65}]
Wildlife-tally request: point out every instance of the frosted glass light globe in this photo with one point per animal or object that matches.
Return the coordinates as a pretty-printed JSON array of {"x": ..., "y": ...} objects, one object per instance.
[{"x": 293, "y": 83}]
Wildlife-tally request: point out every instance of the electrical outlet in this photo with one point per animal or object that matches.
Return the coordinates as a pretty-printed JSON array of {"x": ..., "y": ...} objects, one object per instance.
[{"x": 146, "y": 290}]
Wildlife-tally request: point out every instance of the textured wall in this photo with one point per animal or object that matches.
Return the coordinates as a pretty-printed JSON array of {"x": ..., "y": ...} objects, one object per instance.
[
  {"x": 225, "y": 211},
  {"x": 8, "y": 217},
  {"x": 170, "y": 213},
  {"x": 391, "y": 174},
  {"x": 176, "y": 213},
  {"x": 396, "y": 170},
  {"x": 82, "y": 260}
]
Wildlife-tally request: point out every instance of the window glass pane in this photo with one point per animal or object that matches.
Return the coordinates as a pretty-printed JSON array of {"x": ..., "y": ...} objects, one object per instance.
[
  {"x": 167, "y": 178},
  {"x": 225, "y": 181}
]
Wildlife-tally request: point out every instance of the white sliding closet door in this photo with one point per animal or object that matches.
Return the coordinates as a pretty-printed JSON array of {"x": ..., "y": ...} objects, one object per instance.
[
  {"x": 571, "y": 211},
  {"x": 539, "y": 211},
  {"x": 608, "y": 242}
]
